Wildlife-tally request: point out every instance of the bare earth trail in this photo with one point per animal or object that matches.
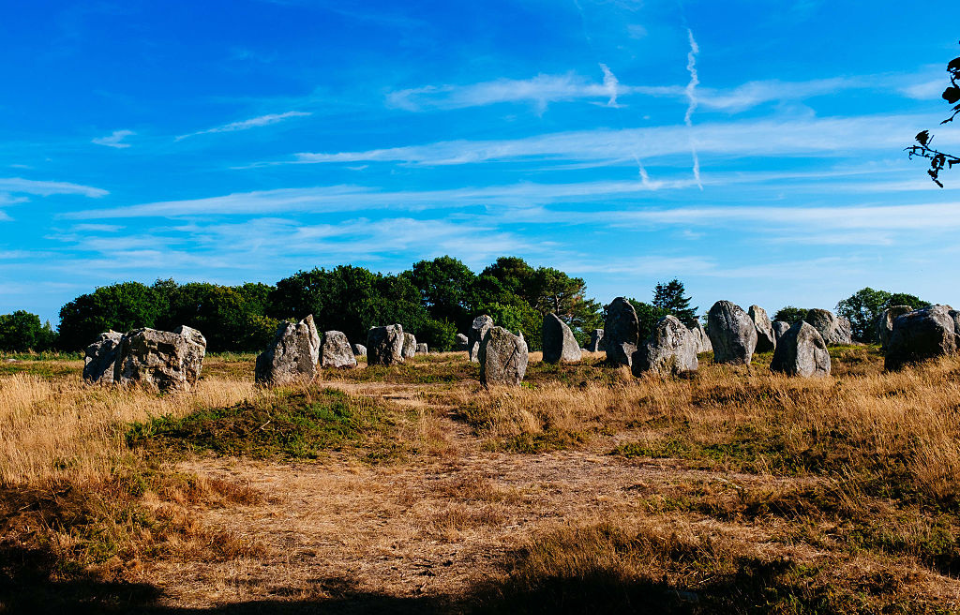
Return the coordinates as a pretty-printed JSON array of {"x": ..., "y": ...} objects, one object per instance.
[{"x": 435, "y": 524}]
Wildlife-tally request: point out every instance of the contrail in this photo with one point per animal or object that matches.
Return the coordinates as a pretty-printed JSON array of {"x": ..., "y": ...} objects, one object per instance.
[{"x": 692, "y": 102}]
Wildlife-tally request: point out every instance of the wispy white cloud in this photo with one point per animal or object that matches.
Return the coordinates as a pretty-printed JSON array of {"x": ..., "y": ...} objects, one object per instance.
[
  {"x": 47, "y": 188},
  {"x": 256, "y": 122},
  {"x": 691, "y": 91},
  {"x": 116, "y": 139}
]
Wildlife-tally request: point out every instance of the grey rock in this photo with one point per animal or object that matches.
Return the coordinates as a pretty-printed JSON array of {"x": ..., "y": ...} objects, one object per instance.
[
  {"x": 409, "y": 345},
  {"x": 359, "y": 350},
  {"x": 385, "y": 345},
  {"x": 732, "y": 333},
  {"x": 559, "y": 344},
  {"x": 833, "y": 329},
  {"x": 670, "y": 349},
  {"x": 503, "y": 357},
  {"x": 922, "y": 334},
  {"x": 463, "y": 342},
  {"x": 766, "y": 338},
  {"x": 596, "y": 341},
  {"x": 101, "y": 358},
  {"x": 621, "y": 331},
  {"x": 779, "y": 328},
  {"x": 335, "y": 351},
  {"x": 703, "y": 340},
  {"x": 885, "y": 322},
  {"x": 165, "y": 360},
  {"x": 801, "y": 351},
  {"x": 293, "y": 355},
  {"x": 481, "y": 324},
  {"x": 423, "y": 349}
]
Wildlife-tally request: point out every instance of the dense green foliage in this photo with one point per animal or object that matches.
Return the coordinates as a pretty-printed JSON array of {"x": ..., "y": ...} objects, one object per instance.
[
  {"x": 865, "y": 307},
  {"x": 790, "y": 314},
  {"x": 22, "y": 331},
  {"x": 670, "y": 298}
]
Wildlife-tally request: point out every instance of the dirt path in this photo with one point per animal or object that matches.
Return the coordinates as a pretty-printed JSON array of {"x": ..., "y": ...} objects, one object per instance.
[{"x": 433, "y": 525}]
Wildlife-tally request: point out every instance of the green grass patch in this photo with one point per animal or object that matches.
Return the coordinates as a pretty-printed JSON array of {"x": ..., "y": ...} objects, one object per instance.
[{"x": 544, "y": 442}]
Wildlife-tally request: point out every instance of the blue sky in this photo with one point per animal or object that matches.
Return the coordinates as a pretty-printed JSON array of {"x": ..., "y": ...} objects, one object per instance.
[{"x": 752, "y": 149}]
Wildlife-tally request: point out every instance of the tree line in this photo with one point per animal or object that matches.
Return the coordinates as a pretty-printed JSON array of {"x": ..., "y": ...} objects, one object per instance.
[{"x": 435, "y": 299}]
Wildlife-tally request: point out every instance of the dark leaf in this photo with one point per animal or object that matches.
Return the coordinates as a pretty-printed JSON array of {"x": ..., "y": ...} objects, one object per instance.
[
  {"x": 951, "y": 94},
  {"x": 923, "y": 137},
  {"x": 954, "y": 65}
]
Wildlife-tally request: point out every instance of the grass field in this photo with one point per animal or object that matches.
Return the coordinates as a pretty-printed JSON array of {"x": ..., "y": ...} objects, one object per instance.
[{"x": 414, "y": 489}]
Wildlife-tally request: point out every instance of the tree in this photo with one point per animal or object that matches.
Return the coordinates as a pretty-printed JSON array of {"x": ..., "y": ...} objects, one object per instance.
[
  {"x": 669, "y": 298},
  {"x": 22, "y": 331},
  {"x": 230, "y": 317},
  {"x": 647, "y": 316},
  {"x": 939, "y": 160},
  {"x": 790, "y": 314},
  {"x": 446, "y": 286},
  {"x": 863, "y": 308},
  {"x": 120, "y": 307},
  {"x": 906, "y": 299}
]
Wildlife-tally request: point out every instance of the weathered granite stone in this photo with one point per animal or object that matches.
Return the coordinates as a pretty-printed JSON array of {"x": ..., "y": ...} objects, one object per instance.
[
  {"x": 766, "y": 338},
  {"x": 409, "y": 345},
  {"x": 920, "y": 335},
  {"x": 621, "y": 331},
  {"x": 779, "y": 328},
  {"x": 292, "y": 356},
  {"x": 885, "y": 322},
  {"x": 335, "y": 351},
  {"x": 801, "y": 351},
  {"x": 101, "y": 358},
  {"x": 462, "y": 343},
  {"x": 596, "y": 341},
  {"x": 385, "y": 345},
  {"x": 503, "y": 357},
  {"x": 477, "y": 330},
  {"x": 670, "y": 349},
  {"x": 559, "y": 344},
  {"x": 423, "y": 349},
  {"x": 359, "y": 350},
  {"x": 703, "y": 340},
  {"x": 166, "y": 360},
  {"x": 833, "y": 329},
  {"x": 732, "y": 333}
]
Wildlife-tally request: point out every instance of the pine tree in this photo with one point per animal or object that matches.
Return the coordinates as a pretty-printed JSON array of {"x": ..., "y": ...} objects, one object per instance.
[{"x": 669, "y": 298}]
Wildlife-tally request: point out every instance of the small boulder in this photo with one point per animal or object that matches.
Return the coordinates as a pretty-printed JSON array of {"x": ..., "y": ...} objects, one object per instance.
[
  {"x": 670, "y": 349},
  {"x": 481, "y": 324},
  {"x": 621, "y": 331},
  {"x": 385, "y": 345},
  {"x": 732, "y": 333},
  {"x": 409, "y": 345},
  {"x": 335, "y": 351},
  {"x": 293, "y": 355},
  {"x": 801, "y": 351},
  {"x": 596, "y": 341},
  {"x": 462, "y": 342},
  {"x": 779, "y": 328},
  {"x": 359, "y": 350},
  {"x": 559, "y": 344},
  {"x": 503, "y": 358},
  {"x": 833, "y": 329},
  {"x": 885, "y": 322},
  {"x": 423, "y": 349},
  {"x": 766, "y": 338},
  {"x": 165, "y": 360},
  {"x": 101, "y": 358},
  {"x": 920, "y": 335},
  {"x": 703, "y": 340}
]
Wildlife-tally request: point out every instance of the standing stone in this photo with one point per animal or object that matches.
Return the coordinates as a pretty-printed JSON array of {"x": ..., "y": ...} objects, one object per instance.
[
  {"x": 359, "y": 350},
  {"x": 885, "y": 322},
  {"x": 385, "y": 345},
  {"x": 462, "y": 342},
  {"x": 621, "y": 332},
  {"x": 423, "y": 349},
  {"x": 409, "y": 345},
  {"x": 335, "y": 351},
  {"x": 670, "y": 349},
  {"x": 766, "y": 338},
  {"x": 559, "y": 344},
  {"x": 477, "y": 330},
  {"x": 503, "y": 357},
  {"x": 732, "y": 333},
  {"x": 292, "y": 356},
  {"x": 703, "y": 340},
  {"x": 833, "y": 329},
  {"x": 779, "y": 328},
  {"x": 166, "y": 360},
  {"x": 596, "y": 341},
  {"x": 922, "y": 334},
  {"x": 801, "y": 351},
  {"x": 101, "y": 358}
]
